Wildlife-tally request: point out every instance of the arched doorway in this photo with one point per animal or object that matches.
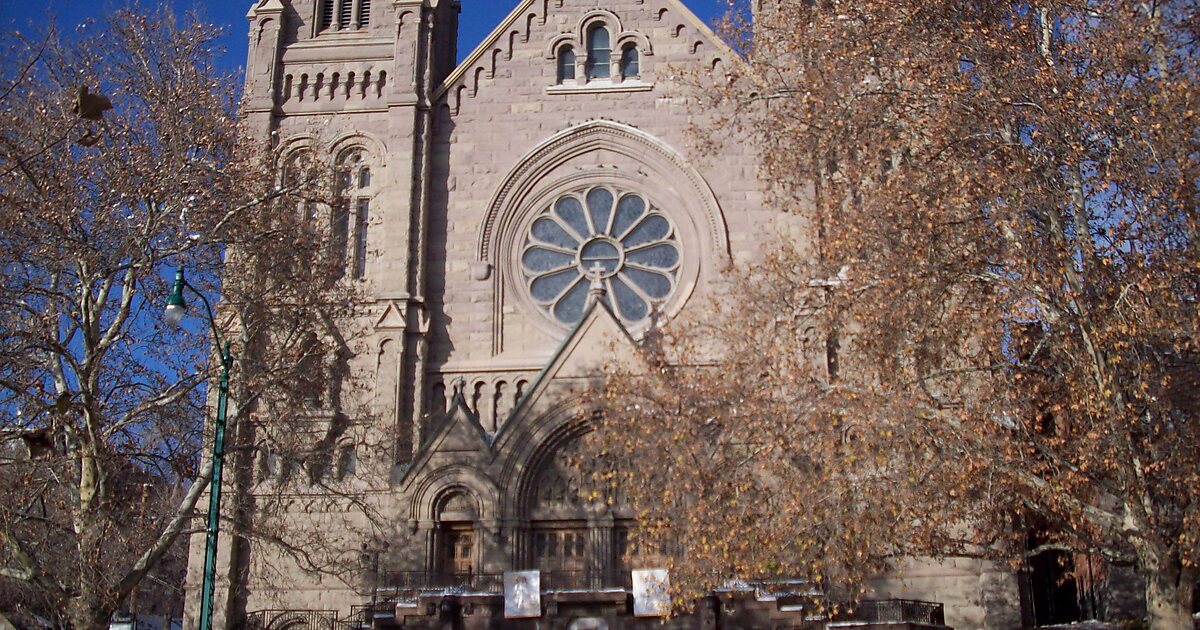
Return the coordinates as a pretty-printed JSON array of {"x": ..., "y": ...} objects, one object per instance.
[{"x": 570, "y": 527}]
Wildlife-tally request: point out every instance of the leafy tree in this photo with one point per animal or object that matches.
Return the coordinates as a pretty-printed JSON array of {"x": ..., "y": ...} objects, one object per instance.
[
  {"x": 101, "y": 406},
  {"x": 989, "y": 326}
]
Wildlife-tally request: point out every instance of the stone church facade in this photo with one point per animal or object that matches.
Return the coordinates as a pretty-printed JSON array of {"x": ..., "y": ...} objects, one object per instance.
[{"x": 517, "y": 220}]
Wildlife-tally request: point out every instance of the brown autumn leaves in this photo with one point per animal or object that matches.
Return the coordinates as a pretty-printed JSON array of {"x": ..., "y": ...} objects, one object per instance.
[{"x": 991, "y": 331}]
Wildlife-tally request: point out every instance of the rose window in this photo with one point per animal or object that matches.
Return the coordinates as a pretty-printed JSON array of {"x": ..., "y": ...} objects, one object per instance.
[{"x": 602, "y": 232}]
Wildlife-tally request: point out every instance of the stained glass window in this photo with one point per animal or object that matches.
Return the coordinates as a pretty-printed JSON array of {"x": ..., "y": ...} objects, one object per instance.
[{"x": 615, "y": 234}]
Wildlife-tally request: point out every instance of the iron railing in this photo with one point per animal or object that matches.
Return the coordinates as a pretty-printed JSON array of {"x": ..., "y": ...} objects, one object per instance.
[
  {"x": 585, "y": 580},
  {"x": 425, "y": 581},
  {"x": 897, "y": 610},
  {"x": 421, "y": 581},
  {"x": 418, "y": 583},
  {"x": 292, "y": 620}
]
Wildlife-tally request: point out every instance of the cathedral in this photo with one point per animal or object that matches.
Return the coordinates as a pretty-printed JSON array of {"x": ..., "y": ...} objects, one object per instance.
[{"x": 517, "y": 221}]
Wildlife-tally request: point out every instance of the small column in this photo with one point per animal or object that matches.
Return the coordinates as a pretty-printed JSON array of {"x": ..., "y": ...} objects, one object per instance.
[
  {"x": 518, "y": 545},
  {"x": 428, "y": 533}
]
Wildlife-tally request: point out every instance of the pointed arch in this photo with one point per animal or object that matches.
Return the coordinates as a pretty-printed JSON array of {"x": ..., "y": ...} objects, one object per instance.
[{"x": 534, "y": 443}]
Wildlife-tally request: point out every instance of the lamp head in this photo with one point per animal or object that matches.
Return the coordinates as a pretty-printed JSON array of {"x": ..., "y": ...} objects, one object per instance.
[{"x": 176, "y": 305}]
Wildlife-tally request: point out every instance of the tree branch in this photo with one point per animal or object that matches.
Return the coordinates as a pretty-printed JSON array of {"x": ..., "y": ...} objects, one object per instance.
[{"x": 183, "y": 513}]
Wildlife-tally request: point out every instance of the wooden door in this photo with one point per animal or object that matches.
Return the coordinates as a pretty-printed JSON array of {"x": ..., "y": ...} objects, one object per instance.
[{"x": 458, "y": 552}]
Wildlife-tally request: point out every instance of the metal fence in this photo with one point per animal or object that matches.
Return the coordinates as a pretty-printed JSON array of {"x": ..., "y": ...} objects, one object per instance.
[
  {"x": 585, "y": 580},
  {"x": 424, "y": 581},
  {"x": 401, "y": 582},
  {"x": 410, "y": 586}
]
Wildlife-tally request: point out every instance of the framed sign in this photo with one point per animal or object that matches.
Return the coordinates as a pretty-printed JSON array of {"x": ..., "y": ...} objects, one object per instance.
[
  {"x": 522, "y": 594},
  {"x": 651, "y": 593}
]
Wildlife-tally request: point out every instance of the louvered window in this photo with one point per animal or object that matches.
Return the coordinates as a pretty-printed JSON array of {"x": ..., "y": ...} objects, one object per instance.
[
  {"x": 364, "y": 13},
  {"x": 345, "y": 12},
  {"x": 325, "y": 19}
]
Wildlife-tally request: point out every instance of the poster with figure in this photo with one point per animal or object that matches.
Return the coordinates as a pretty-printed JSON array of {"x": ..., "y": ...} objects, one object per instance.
[
  {"x": 522, "y": 594},
  {"x": 651, "y": 593}
]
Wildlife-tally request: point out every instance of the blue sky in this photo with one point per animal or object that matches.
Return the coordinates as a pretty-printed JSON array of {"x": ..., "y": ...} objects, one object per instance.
[{"x": 478, "y": 17}]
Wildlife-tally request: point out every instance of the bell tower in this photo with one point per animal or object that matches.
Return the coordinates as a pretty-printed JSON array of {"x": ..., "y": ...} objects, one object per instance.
[
  {"x": 351, "y": 81},
  {"x": 340, "y": 75},
  {"x": 303, "y": 52}
]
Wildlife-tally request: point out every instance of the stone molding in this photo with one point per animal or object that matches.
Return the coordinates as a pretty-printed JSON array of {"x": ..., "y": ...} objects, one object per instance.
[
  {"x": 574, "y": 141},
  {"x": 540, "y": 175}
]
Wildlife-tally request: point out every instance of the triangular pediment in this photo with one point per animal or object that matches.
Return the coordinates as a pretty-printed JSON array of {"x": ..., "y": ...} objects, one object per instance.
[
  {"x": 265, "y": 6},
  {"x": 598, "y": 341},
  {"x": 597, "y": 344},
  {"x": 457, "y": 433},
  {"x": 392, "y": 318},
  {"x": 532, "y": 22}
]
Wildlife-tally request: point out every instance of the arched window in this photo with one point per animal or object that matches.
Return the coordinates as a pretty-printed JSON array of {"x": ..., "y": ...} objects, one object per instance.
[
  {"x": 298, "y": 173},
  {"x": 599, "y": 51},
  {"x": 296, "y": 168},
  {"x": 566, "y": 64},
  {"x": 352, "y": 213},
  {"x": 347, "y": 462},
  {"x": 629, "y": 63}
]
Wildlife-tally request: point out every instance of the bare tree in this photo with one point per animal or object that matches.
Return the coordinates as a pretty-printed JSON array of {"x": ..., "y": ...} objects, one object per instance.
[
  {"x": 121, "y": 161},
  {"x": 993, "y": 326}
]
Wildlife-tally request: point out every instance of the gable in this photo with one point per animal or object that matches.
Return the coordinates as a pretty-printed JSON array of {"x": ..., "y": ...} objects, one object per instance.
[
  {"x": 522, "y": 47},
  {"x": 459, "y": 436},
  {"x": 597, "y": 342},
  {"x": 460, "y": 431}
]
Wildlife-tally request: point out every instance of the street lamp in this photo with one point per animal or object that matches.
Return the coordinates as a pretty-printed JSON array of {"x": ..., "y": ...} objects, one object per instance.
[{"x": 173, "y": 315}]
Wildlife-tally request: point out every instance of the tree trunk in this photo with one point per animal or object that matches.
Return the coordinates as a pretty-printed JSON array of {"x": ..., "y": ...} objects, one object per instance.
[
  {"x": 86, "y": 609},
  {"x": 1169, "y": 592},
  {"x": 85, "y": 614}
]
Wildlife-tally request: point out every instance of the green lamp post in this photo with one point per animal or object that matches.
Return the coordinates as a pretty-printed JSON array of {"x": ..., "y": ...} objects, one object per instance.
[{"x": 173, "y": 315}]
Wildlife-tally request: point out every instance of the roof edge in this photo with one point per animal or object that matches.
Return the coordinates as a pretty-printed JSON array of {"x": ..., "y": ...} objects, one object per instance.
[{"x": 488, "y": 42}]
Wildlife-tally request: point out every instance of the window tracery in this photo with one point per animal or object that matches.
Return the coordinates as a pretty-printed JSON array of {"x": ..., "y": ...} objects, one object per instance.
[
  {"x": 350, "y": 215},
  {"x": 613, "y": 233}
]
